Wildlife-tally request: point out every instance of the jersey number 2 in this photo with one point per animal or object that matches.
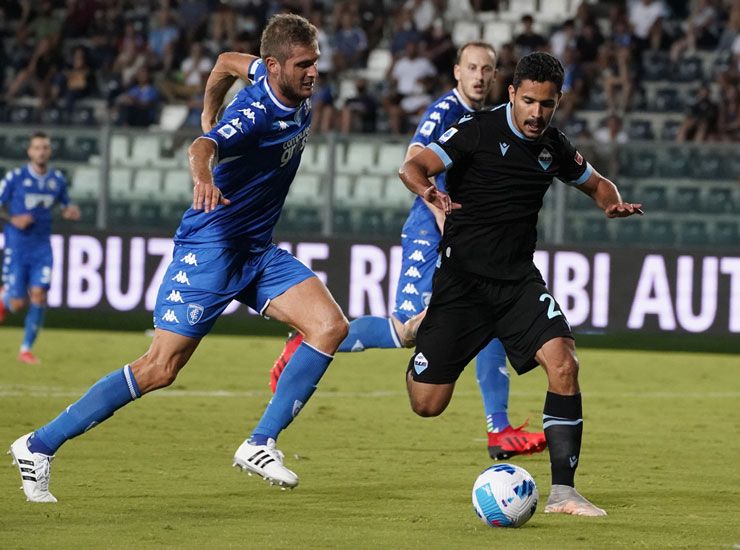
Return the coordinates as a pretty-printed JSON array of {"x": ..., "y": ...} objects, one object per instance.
[{"x": 552, "y": 312}]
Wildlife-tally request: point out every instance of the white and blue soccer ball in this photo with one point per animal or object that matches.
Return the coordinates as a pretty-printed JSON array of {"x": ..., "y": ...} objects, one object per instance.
[{"x": 505, "y": 495}]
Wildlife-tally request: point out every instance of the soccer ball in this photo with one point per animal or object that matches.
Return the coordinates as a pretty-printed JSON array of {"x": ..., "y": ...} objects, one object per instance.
[{"x": 505, "y": 495}]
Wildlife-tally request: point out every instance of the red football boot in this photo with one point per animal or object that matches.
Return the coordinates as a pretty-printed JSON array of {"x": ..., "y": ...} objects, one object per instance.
[
  {"x": 291, "y": 344},
  {"x": 515, "y": 441},
  {"x": 28, "y": 358}
]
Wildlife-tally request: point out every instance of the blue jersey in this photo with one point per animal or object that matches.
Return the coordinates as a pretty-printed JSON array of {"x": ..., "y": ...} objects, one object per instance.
[
  {"x": 23, "y": 191},
  {"x": 260, "y": 142},
  {"x": 440, "y": 115}
]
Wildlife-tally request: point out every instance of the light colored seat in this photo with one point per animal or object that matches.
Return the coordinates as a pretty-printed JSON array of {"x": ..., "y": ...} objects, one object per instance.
[
  {"x": 359, "y": 157},
  {"x": 120, "y": 183},
  {"x": 85, "y": 183},
  {"x": 119, "y": 149},
  {"x": 178, "y": 186},
  {"x": 145, "y": 150},
  {"x": 497, "y": 33},
  {"x": 396, "y": 195},
  {"x": 465, "y": 31},
  {"x": 305, "y": 190},
  {"x": 343, "y": 190},
  {"x": 147, "y": 185},
  {"x": 173, "y": 117},
  {"x": 368, "y": 190},
  {"x": 390, "y": 158}
]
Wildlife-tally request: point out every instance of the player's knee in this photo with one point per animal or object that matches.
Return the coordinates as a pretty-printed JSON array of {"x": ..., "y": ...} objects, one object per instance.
[
  {"x": 565, "y": 372},
  {"x": 17, "y": 304},
  {"x": 335, "y": 329},
  {"x": 152, "y": 373},
  {"x": 407, "y": 336},
  {"x": 426, "y": 408}
]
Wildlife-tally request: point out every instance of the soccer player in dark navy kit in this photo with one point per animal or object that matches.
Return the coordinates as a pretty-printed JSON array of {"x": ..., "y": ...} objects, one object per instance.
[
  {"x": 29, "y": 195},
  {"x": 499, "y": 165},
  {"x": 475, "y": 72},
  {"x": 242, "y": 169}
]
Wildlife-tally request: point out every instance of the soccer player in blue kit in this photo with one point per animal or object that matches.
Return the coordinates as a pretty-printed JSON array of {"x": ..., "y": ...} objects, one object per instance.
[
  {"x": 475, "y": 72},
  {"x": 29, "y": 195},
  {"x": 241, "y": 170}
]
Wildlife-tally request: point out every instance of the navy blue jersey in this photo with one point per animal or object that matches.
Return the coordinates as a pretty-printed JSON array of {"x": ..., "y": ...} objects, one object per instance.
[
  {"x": 260, "y": 142},
  {"x": 441, "y": 114},
  {"x": 22, "y": 191}
]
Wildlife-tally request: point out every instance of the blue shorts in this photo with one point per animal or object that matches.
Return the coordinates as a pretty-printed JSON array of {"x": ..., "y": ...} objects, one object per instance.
[
  {"x": 201, "y": 282},
  {"x": 417, "y": 270},
  {"x": 28, "y": 268}
]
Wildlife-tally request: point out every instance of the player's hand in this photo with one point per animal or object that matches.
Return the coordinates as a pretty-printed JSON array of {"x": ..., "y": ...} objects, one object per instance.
[
  {"x": 71, "y": 212},
  {"x": 440, "y": 199},
  {"x": 22, "y": 221},
  {"x": 623, "y": 210},
  {"x": 206, "y": 196}
]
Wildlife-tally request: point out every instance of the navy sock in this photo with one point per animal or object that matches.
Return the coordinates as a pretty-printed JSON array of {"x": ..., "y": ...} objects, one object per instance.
[
  {"x": 34, "y": 321},
  {"x": 370, "y": 332},
  {"x": 105, "y": 397},
  {"x": 493, "y": 381},
  {"x": 563, "y": 423},
  {"x": 295, "y": 387}
]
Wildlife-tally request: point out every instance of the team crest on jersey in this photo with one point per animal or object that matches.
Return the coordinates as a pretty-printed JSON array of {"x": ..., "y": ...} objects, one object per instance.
[
  {"x": 195, "y": 312},
  {"x": 545, "y": 159},
  {"x": 447, "y": 135},
  {"x": 420, "y": 363}
]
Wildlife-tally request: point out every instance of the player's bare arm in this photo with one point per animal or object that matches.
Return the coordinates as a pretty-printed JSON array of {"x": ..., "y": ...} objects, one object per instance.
[
  {"x": 22, "y": 221},
  {"x": 229, "y": 67},
  {"x": 606, "y": 196},
  {"x": 439, "y": 215},
  {"x": 201, "y": 156},
  {"x": 71, "y": 212},
  {"x": 415, "y": 174}
]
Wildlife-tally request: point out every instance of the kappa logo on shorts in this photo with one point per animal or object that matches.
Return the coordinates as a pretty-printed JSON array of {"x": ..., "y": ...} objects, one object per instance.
[
  {"x": 407, "y": 306},
  {"x": 181, "y": 278},
  {"x": 195, "y": 312},
  {"x": 417, "y": 256},
  {"x": 410, "y": 289},
  {"x": 175, "y": 296},
  {"x": 413, "y": 272},
  {"x": 190, "y": 259},
  {"x": 420, "y": 363},
  {"x": 170, "y": 317}
]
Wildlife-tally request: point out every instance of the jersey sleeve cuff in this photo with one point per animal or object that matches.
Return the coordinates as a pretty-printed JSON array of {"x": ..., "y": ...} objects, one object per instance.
[
  {"x": 253, "y": 66},
  {"x": 584, "y": 177},
  {"x": 444, "y": 157}
]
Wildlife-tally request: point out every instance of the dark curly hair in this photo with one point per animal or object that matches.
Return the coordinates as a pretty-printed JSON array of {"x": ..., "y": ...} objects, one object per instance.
[{"x": 539, "y": 67}]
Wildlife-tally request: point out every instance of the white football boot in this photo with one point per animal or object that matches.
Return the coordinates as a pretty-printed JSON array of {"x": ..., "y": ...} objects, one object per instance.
[
  {"x": 265, "y": 461},
  {"x": 35, "y": 470},
  {"x": 564, "y": 499}
]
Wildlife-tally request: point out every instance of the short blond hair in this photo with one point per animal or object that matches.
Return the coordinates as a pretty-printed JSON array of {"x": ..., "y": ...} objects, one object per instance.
[
  {"x": 283, "y": 32},
  {"x": 474, "y": 44}
]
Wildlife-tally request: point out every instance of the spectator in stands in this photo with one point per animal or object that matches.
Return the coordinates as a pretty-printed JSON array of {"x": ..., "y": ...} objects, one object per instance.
[
  {"x": 615, "y": 76},
  {"x": 563, "y": 38},
  {"x": 506, "y": 61},
  {"x": 608, "y": 137},
  {"x": 37, "y": 75},
  {"x": 163, "y": 36},
  {"x": 700, "y": 30},
  {"x": 349, "y": 43},
  {"x": 75, "y": 81},
  {"x": 728, "y": 116},
  {"x": 701, "y": 118},
  {"x": 402, "y": 33},
  {"x": 588, "y": 42},
  {"x": 192, "y": 18},
  {"x": 409, "y": 76},
  {"x": 423, "y": 13},
  {"x": 528, "y": 41},
  {"x": 42, "y": 25},
  {"x": 439, "y": 48},
  {"x": 360, "y": 112},
  {"x": 574, "y": 84},
  {"x": 79, "y": 18},
  {"x": 138, "y": 106},
  {"x": 646, "y": 18},
  {"x": 191, "y": 79}
]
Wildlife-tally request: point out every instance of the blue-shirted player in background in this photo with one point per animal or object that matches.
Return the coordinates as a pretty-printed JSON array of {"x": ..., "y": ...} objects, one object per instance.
[
  {"x": 475, "y": 73},
  {"x": 242, "y": 170},
  {"x": 28, "y": 195}
]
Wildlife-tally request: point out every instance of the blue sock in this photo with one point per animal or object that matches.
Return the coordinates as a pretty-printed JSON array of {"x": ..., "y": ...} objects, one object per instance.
[
  {"x": 295, "y": 387},
  {"x": 105, "y": 397},
  {"x": 370, "y": 332},
  {"x": 34, "y": 321},
  {"x": 493, "y": 380}
]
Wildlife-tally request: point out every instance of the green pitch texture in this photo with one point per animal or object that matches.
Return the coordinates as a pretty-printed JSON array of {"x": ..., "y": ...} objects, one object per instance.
[{"x": 661, "y": 454}]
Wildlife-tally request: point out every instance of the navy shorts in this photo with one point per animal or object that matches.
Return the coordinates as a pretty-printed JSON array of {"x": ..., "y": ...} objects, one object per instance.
[{"x": 201, "y": 282}]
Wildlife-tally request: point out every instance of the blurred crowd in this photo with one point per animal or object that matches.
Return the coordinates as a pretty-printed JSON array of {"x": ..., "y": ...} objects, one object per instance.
[{"x": 138, "y": 56}]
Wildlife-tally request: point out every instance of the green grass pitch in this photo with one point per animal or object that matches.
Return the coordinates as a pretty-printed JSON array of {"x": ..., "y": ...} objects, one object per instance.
[{"x": 661, "y": 453}]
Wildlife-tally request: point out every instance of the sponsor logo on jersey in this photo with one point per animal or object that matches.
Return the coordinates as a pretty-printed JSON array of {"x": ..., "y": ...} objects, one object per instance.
[
  {"x": 175, "y": 296},
  {"x": 420, "y": 363},
  {"x": 407, "y": 306},
  {"x": 545, "y": 159},
  {"x": 410, "y": 289},
  {"x": 578, "y": 159},
  {"x": 190, "y": 259},
  {"x": 195, "y": 312},
  {"x": 181, "y": 278},
  {"x": 227, "y": 130},
  {"x": 417, "y": 256},
  {"x": 170, "y": 317},
  {"x": 504, "y": 148},
  {"x": 447, "y": 135},
  {"x": 413, "y": 272}
]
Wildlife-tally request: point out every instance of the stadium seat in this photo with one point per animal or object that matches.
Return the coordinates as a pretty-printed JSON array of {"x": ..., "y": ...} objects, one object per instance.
[
  {"x": 655, "y": 65},
  {"x": 85, "y": 183},
  {"x": 343, "y": 222},
  {"x": 694, "y": 233},
  {"x": 21, "y": 114},
  {"x": 378, "y": 62},
  {"x": 300, "y": 220},
  {"x": 147, "y": 185},
  {"x": 670, "y": 130},
  {"x": 706, "y": 165},
  {"x": 145, "y": 149},
  {"x": 368, "y": 190},
  {"x": 629, "y": 231},
  {"x": 667, "y": 100},
  {"x": 575, "y": 127},
  {"x": 343, "y": 190},
  {"x": 497, "y": 33},
  {"x": 637, "y": 163},
  {"x": 120, "y": 183},
  {"x": 654, "y": 197},
  {"x": 15, "y": 147},
  {"x": 673, "y": 162},
  {"x": 82, "y": 148},
  {"x": 465, "y": 31},
  {"x": 58, "y": 147},
  {"x": 686, "y": 199},
  {"x": 119, "y": 149},
  {"x": 178, "y": 187},
  {"x": 640, "y": 129},
  {"x": 390, "y": 158},
  {"x": 82, "y": 116},
  {"x": 595, "y": 230},
  {"x": 305, "y": 190},
  {"x": 659, "y": 232},
  {"x": 719, "y": 201},
  {"x": 371, "y": 221},
  {"x": 688, "y": 69},
  {"x": 357, "y": 158},
  {"x": 726, "y": 234}
]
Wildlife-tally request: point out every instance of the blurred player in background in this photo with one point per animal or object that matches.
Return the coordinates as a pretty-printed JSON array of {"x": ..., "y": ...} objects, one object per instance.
[
  {"x": 475, "y": 72},
  {"x": 28, "y": 195},
  {"x": 499, "y": 165},
  {"x": 242, "y": 169}
]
